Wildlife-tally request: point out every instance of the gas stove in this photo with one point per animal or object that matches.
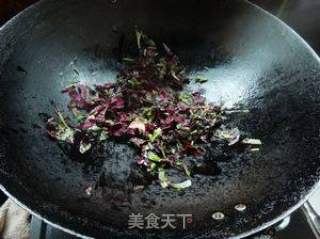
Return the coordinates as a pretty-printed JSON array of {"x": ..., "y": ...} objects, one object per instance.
[{"x": 302, "y": 224}]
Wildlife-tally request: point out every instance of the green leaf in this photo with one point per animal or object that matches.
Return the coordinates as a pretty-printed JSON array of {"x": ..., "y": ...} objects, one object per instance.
[
  {"x": 72, "y": 83},
  {"x": 156, "y": 134},
  {"x": 232, "y": 136},
  {"x": 94, "y": 128},
  {"x": 148, "y": 113},
  {"x": 108, "y": 121},
  {"x": 179, "y": 126},
  {"x": 180, "y": 163},
  {"x": 185, "y": 98},
  {"x": 150, "y": 42},
  {"x": 127, "y": 59},
  {"x": 63, "y": 131},
  {"x": 201, "y": 79},
  {"x": 153, "y": 167},
  {"x": 103, "y": 136},
  {"x": 154, "y": 157},
  {"x": 76, "y": 72},
  {"x": 255, "y": 150},
  {"x": 84, "y": 147},
  {"x": 164, "y": 181},
  {"x": 61, "y": 120},
  {"x": 183, "y": 185},
  {"x": 186, "y": 170},
  {"x": 134, "y": 82},
  {"x": 252, "y": 141},
  {"x": 79, "y": 116},
  {"x": 75, "y": 77},
  {"x": 139, "y": 36},
  {"x": 65, "y": 134}
]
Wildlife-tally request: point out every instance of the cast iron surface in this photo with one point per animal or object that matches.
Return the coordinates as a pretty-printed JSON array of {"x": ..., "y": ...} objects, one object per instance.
[{"x": 252, "y": 60}]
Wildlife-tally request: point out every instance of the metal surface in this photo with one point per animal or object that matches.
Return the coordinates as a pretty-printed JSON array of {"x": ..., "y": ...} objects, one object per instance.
[
  {"x": 312, "y": 218},
  {"x": 42, "y": 230},
  {"x": 252, "y": 60},
  {"x": 314, "y": 200},
  {"x": 312, "y": 211},
  {"x": 38, "y": 228}
]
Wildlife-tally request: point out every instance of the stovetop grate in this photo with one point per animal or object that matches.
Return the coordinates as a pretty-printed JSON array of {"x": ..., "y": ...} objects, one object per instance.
[{"x": 294, "y": 227}]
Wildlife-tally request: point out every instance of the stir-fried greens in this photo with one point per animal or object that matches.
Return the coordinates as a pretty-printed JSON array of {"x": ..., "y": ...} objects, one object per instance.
[{"x": 148, "y": 107}]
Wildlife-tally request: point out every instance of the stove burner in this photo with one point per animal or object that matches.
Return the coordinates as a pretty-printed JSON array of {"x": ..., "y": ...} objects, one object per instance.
[{"x": 297, "y": 226}]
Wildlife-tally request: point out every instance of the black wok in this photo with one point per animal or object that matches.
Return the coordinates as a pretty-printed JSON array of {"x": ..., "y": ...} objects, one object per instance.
[{"x": 253, "y": 60}]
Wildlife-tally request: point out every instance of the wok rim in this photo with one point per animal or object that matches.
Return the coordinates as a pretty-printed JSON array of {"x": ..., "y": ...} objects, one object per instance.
[{"x": 257, "y": 229}]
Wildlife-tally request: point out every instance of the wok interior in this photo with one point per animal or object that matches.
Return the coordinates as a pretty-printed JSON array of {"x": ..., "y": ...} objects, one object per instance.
[{"x": 252, "y": 62}]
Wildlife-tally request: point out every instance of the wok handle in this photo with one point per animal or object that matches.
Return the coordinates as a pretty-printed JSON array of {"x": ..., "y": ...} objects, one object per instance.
[
  {"x": 313, "y": 218},
  {"x": 38, "y": 228},
  {"x": 43, "y": 230}
]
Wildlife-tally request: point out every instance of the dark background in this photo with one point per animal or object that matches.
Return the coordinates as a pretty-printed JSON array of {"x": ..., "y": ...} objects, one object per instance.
[{"x": 301, "y": 15}]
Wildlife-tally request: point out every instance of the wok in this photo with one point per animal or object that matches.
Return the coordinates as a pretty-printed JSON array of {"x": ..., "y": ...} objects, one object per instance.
[{"x": 253, "y": 61}]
